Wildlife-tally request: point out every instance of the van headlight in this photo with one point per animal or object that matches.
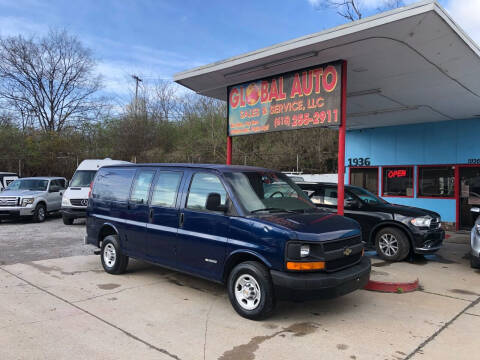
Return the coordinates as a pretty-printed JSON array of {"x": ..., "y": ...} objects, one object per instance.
[
  {"x": 65, "y": 202},
  {"x": 27, "y": 201},
  {"x": 421, "y": 221},
  {"x": 304, "y": 251}
]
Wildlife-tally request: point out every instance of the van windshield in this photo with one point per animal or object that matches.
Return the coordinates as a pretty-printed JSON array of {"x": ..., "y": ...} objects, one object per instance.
[
  {"x": 268, "y": 192},
  {"x": 83, "y": 178}
]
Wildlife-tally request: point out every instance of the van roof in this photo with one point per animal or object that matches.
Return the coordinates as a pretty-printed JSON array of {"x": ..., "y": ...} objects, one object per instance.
[
  {"x": 218, "y": 167},
  {"x": 94, "y": 164}
]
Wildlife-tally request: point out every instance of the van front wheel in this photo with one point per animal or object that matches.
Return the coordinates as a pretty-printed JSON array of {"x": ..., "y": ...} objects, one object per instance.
[
  {"x": 250, "y": 290},
  {"x": 113, "y": 261}
]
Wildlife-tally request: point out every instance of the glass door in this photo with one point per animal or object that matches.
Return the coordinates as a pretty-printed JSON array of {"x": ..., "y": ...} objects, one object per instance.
[{"x": 469, "y": 195}]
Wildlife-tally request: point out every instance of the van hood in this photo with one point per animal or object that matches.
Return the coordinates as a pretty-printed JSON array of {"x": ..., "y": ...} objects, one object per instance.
[
  {"x": 318, "y": 226},
  {"x": 21, "y": 193}
]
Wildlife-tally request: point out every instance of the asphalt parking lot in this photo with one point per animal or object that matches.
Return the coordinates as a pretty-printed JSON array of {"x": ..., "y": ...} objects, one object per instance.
[{"x": 58, "y": 303}]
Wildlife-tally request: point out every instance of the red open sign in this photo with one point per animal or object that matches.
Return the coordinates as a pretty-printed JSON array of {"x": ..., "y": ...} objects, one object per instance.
[{"x": 397, "y": 174}]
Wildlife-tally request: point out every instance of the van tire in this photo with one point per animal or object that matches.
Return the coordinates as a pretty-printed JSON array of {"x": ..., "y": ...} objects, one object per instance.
[
  {"x": 398, "y": 239},
  {"x": 40, "y": 213},
  {"x": 113, "y": 261},
  {"x": 261, "y": 283},
  {"x": 67, "y": 220}
]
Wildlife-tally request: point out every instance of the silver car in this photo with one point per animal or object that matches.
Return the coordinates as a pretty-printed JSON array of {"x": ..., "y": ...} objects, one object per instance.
[
  {"x": 34, "y": 197},
  {"x": 475, "y": 240}
]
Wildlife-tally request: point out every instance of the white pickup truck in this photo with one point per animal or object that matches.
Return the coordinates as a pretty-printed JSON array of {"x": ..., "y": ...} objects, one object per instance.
[{"x": 34, "y": 197}]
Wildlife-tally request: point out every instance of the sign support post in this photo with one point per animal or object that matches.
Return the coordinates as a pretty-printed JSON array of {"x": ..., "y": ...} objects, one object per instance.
[
  {"x": 229, "y": 150},
  {"x": 341, "y": 144}
]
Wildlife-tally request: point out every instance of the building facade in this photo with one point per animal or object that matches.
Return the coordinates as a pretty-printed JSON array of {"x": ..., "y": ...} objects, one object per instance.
[{"x": 434, "y": 166}]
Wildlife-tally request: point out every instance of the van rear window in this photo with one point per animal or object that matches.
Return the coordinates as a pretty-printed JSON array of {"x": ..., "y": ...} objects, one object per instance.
[{"x": 113, "y": 184}]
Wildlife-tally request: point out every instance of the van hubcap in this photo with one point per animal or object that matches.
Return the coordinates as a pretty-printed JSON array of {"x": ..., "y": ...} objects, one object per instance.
[
  {"x": 109, "y": 255},
  {"x": 388, "y": 244},
  {"x": 247, "y": 292}
]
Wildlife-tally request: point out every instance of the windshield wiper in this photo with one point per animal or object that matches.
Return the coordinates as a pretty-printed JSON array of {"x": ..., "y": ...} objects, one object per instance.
[{"x": 272, "y": 209}]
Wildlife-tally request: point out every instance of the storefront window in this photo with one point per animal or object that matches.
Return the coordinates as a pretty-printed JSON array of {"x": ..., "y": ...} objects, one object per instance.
[
  {"x": 397, "y": 181},
  {"x": 366, "y": 178},
  {"x": 436, "y": 181}
]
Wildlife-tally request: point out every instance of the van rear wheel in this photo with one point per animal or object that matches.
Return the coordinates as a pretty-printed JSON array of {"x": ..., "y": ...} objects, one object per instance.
[
  {"x": 250, "y": 290},
  {"x": 113, "y": 261}
]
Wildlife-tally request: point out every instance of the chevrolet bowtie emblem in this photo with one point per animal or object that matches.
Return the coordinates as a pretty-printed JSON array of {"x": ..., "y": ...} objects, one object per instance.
[{"x": 347, "y": 251}]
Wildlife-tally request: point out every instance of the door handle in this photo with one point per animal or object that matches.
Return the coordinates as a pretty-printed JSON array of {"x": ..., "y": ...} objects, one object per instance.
[
  {"x": 181, "y": 220},
  {"x": 150, "y": 215}
]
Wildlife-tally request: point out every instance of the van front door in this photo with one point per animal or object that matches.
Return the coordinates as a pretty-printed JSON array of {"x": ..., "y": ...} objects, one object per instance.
[
  {"x": 203, "y": 234},
  {"x": 163, "y": 218}
]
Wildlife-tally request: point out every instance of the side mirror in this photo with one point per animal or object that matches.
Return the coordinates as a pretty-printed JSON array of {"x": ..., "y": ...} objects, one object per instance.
[
  {"x": 54, "y": 188},
  {"x": 213, "y": 203},
  {"x": 475, "y": 210}
]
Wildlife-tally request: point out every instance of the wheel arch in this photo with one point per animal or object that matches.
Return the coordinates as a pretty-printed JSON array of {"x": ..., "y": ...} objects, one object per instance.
[
  {"x": 240, "y": 256},
  {"x": 42, "y": 202},
  {"x": 106, "y": 230},
  {"x": 394, "y": 224}
]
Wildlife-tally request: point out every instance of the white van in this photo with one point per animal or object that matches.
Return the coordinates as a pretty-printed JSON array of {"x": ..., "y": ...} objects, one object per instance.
[
  {"x": 6, "y": 178},
  {"x": 75, "y": 198}
]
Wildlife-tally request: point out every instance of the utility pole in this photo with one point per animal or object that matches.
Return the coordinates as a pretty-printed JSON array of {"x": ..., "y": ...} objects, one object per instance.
[{"x": 137, "y": 80}]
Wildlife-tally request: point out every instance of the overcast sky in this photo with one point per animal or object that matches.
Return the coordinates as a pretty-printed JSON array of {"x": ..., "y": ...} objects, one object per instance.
[{"x": 157, "y": 38}]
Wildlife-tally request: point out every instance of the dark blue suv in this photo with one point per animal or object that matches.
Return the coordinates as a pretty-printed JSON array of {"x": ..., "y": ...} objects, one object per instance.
[{"x": 251, "y": 228}]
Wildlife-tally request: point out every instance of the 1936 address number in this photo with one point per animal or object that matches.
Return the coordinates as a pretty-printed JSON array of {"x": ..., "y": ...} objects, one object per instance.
[{"x": 359, "y": 162}]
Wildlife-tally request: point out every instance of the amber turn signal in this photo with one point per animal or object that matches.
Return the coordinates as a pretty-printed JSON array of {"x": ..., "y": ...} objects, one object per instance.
[{"x": 299, "y": 266}]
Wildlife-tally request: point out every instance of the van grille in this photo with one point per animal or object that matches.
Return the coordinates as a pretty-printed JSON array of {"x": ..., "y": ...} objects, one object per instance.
[
  {"x": 9, "y": 201},
  {"x": 342, "y": 243},
  {"x": 342, "y": 262},
  {"x": 79, "y": 202}
]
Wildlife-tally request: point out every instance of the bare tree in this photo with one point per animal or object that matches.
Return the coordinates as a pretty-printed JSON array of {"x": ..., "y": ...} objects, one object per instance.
[
  {"x": 48, "y": 81},
  {"x": 354, "y": 9},
  {"x": 165, "y": 102}
]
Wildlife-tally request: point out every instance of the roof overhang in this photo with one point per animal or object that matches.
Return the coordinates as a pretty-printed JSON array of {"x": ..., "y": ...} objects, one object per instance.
[{"x": 410, "y": 65}]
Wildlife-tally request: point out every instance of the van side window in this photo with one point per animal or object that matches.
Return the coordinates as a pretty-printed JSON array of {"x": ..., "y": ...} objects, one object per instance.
[
  {"x": 113, "y": 184},
  {"x": 166, "y": 188},
  {"x": 202, "y": 185},
  {"x": 141, "y": 186}
]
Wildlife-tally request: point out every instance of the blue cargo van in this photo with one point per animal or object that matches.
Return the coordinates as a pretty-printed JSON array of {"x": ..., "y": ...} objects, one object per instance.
[{"x": 250, "y": 228}]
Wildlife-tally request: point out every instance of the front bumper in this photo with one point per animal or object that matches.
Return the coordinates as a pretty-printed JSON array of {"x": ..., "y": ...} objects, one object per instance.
[
  {"x": 74, "y": 212},
  {"x": 428, "y": 241},
  {"x": 321, "y": 285},
  {"x": 16, "y": 211}
]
